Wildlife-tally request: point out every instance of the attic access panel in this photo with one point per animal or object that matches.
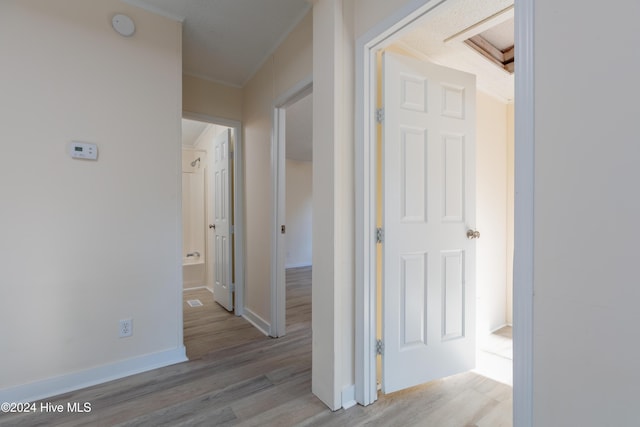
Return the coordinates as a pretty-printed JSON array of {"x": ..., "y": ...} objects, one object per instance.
[{"x": 496, "y": 44}]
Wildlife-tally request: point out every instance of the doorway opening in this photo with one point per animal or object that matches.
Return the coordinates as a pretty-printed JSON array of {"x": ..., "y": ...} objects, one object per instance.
[
  {"x": 212, "y": 227},
  {"x": 488, "y": 174},
  {"x": 382, "y": 37},
  {"x": 292, "y": 183}
]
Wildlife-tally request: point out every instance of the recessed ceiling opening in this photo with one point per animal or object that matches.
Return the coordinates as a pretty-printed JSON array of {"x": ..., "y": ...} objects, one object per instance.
[{"x": 496, "y": 44}]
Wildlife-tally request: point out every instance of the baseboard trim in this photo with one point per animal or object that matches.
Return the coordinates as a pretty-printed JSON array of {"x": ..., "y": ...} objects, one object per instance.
[
  {"x": 257, "y": 321},
  {"x": 77, "y": 380},
  {"x": 349, "y": 396},
  {"x": 198, "y": 288},
  {"x": 194, "y": 288}
]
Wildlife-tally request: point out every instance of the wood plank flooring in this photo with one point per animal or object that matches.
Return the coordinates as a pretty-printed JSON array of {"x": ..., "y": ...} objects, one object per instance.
[{"x": 238, "y": 377}]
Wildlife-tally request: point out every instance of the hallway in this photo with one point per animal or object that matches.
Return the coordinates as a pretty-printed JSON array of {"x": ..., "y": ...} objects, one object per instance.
[{"x": 237, "y": 376}]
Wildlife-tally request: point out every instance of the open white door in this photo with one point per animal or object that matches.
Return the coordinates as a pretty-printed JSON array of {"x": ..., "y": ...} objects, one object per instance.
[
  {"x": 222, "y": 286},
  {"x": 429, "y": 207}
]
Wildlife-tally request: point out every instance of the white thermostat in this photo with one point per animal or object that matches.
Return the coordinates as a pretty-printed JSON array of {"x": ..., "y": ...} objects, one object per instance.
[{"x": 83, "y": 150}]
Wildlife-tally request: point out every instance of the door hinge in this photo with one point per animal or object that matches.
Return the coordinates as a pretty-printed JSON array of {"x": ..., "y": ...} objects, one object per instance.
[
  {"x": 232, "y": 287},
  {"x": 380, "y": 115},
  {"x": 283, "y": 229},
  {"x": 232, "y": 229},
  {"x": 379, "y": 235},
  {"x": 379, "y": 347}
]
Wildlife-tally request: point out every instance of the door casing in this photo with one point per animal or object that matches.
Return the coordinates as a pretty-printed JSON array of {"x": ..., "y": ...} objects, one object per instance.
[
  {"x": 238, "y": 203},
  {"x": 377, "y": 38},
  {"x": 278, "y": 176}
]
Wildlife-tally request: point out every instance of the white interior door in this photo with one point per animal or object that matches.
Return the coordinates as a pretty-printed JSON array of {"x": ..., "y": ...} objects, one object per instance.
[
  {"x": 222, "y": 286},
  {"x": 429, "y": 206}
]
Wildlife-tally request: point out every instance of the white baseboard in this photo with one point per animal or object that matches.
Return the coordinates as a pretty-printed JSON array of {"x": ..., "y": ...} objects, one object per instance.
[
  {"x": 257, "y": 321},
  {"x": 74, "y": 381},
  {"x": 194, "y": 288},
  {"x": 197, "y": 288},
  {"x": 349, "y": 396}
]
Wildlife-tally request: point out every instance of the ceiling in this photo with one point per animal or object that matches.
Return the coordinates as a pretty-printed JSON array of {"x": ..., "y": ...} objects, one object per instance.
[
  {"x": 440, "y": 38},
  {"x": 227, "y": 41}
]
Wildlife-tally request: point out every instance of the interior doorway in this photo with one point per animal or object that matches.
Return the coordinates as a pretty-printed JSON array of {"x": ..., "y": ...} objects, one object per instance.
[
  {"x": 292, "y": 177},
  {"x": 212, "y": 203},
  {"x": 386, "y": 36}
]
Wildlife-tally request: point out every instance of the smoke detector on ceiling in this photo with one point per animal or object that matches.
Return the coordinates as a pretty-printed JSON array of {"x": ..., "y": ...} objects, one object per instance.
[{"x": 123, "y": 25}]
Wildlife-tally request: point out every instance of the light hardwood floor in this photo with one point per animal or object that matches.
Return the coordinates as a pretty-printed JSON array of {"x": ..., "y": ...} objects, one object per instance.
[{"x": 237, "y": 376}]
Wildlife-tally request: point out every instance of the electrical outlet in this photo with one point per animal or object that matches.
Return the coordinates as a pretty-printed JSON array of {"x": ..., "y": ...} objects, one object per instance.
[{"x": 126, "y": 328}]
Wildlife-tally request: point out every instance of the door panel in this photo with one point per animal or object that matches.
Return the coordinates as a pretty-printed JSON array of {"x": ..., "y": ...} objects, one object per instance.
[
  {"x": 222, "y": 287},
  {"x": 428, "y": 206}
]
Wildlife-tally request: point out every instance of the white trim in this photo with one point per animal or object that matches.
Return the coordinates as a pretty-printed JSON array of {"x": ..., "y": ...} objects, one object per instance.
[
  {"x": 238, "y": 199},
  {"x": 278, "y": 217},
  {"x": 365, "y": 159},
  {"x": 198, "y": 288},
  {"x": 89, "y": 377},
  {"x": 257, "y": 321},
  {"x": 278, "y": 212},
  {"x": 296, "y": 92},
  {"x": 365, "y": 167},
  {"x": 215, "y": 120},
  {"x": 524, "y": 215},
  {"x": 239, "y": 218},
  {"x": 194, "y": 288},
  {"x": 349, "y": 396}
]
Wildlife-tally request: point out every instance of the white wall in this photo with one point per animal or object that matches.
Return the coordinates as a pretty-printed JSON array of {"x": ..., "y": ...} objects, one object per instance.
[
  {"x": 85, "y": 243},
  {"x": 290, "y": 64},
  {"x": 194, "y": 209},
  {"x": 491, "y": 212},
  {"x": 333, "y": 202},
  {"x": 193, "y": 203},
  {"x": 585, "y": 278},
  {"x": 585, "y": 274},
  {"x": 299, "y": 213},
  {"x": 211, "y": 99},
  {"x": 510, "y": 207}
]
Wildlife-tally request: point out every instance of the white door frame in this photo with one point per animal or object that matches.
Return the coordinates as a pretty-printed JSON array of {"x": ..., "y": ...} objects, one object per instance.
[
  {"x": 366, "y": 47},
  {"x": 278, "y": 216},
  {"x": 238, "y": 202}
]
